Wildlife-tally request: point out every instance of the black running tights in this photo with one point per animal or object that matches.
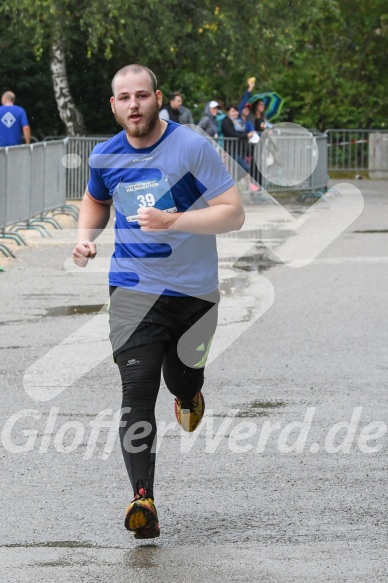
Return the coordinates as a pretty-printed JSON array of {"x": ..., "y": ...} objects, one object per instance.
[{"x": 140, "y": 368}]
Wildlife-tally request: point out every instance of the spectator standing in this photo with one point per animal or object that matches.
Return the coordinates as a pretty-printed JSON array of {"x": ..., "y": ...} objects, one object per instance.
[
  {"x": 209, "y": 121},
  {"x": 258, "y": 113},
  {"x": 253, "y": 115},
  {"x": 13, "y": 122},
  {"x": 175, "y": 111},
  {"x": 260, "y": 123},
  {"x": 241, "y": 151},
  {"x": 254, "y": 111},
  {"x": 234, "y": 127},
  {"x": 244, "y": 109},
  {"x": 244, "y": 116}
]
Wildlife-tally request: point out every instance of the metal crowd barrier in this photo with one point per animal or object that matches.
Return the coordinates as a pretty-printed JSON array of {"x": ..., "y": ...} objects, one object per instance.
[
  {"x": 77, "y": 174},
  {"x": 358, "y": 151},
  {"x": 32, "y": 190},
  {"x": 285, "y": 154},
  {"x": 281, "y": 161},
  {"x": 294, "y": 161}
]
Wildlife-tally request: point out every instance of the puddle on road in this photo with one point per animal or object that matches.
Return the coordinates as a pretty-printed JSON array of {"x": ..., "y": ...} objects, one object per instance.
[
  {"x": 261, "y": 258},
  {"x": 44, "y": 296},
  {"x": 142, "y": 557},
  {"x": 74, "y": 310},
  {"x": 61, "y": 544},
  {"x": 372, "y": 231},
  {"x": 260, "y": 261},
  {"x": 10, "y": 347},
  {"x": 254, "y": 409},
  {"x": 55, "y": 564},
  {"x": 232, "y": 285},
  {"x": 266, "y": 404},
  {"x": 260, "y": 408}
]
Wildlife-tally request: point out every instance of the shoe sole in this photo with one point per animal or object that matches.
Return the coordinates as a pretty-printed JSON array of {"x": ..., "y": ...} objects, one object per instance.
[
  {"x": 139, "y": 535},
  {"x": 139, "y": 517}
]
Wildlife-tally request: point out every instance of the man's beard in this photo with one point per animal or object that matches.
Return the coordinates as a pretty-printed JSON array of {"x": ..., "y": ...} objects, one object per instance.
[{"x": 143, "y": 129}]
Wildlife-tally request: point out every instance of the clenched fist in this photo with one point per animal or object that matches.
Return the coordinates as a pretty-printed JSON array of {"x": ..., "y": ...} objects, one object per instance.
[
  {"x": 152, "y": 219},
  {"x": 84, "y": 251}
]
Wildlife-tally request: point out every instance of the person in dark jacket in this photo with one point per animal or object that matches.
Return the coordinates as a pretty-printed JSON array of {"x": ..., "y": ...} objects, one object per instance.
[
  {"x": 175, "y": 111},
  {"x": 234, "y": 127},
  {"x": 258, "y": 113}
]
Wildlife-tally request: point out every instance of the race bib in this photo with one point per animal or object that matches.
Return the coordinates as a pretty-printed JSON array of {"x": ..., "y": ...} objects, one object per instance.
[{"x": 154, "y": 192}]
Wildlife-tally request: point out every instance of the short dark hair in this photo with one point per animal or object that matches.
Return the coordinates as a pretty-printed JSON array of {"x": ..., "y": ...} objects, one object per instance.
[
  {"x": 134, "y": 68},
  {"x": 230, "y": 106},
  {"x": 172, "y": 96}
]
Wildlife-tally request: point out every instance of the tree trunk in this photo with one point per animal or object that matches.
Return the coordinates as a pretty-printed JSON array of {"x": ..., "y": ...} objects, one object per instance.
[{"x": 68, "y": 111}]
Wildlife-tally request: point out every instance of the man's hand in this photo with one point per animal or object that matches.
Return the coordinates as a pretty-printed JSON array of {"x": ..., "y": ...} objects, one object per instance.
[
  {"x": 84, "y": 251},
  {"x": 152, "y": 219}
]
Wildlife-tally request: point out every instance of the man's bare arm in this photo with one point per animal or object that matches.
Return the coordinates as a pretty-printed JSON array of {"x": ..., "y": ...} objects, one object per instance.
[
  {"x": 93, "y": 218},
  {"x": 225, "y": 213},
  {"x": 27, "y": 134}
]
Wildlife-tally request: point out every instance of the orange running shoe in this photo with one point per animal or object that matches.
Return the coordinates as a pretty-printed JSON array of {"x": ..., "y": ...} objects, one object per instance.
[
  {"x": 189, "y": 415},
  {"x": 141, "y": 517}
]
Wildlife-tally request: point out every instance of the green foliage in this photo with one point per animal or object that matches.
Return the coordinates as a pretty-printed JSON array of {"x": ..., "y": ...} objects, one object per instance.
[
  {"x": 327, "y": 58},
  {"x": 30, "y": 79}
]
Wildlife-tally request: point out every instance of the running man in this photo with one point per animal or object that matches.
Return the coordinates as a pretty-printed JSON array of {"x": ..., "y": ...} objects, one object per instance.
[{"x": 172, "y": 194}]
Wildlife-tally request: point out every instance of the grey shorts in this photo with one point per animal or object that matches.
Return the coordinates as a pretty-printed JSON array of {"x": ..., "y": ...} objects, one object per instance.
[{"x": 137, "y": 318}]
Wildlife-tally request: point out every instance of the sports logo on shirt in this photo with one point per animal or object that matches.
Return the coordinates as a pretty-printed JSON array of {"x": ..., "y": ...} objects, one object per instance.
[{"x": 8, "y": 119}]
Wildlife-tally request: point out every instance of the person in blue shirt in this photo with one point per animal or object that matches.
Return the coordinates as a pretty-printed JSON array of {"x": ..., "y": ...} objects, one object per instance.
[
  {"x": 244, "y": 116},
  {"x": 171, "y": 194},
  {"x": 13, "y": 122}
]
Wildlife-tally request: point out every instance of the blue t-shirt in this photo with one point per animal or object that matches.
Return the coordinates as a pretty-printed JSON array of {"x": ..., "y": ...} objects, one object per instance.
[
  {"x": 249, "y": 127},
  {"x": 179, "y": 173},
  {"x": 12, "y": 119}
]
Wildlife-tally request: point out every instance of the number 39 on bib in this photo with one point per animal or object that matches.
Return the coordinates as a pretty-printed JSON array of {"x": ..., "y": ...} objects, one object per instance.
[{"x": 130, "y": 196}]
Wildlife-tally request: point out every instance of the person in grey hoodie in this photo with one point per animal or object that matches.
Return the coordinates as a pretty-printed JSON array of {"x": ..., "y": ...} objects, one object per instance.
[{"x": 209, "y": 122}]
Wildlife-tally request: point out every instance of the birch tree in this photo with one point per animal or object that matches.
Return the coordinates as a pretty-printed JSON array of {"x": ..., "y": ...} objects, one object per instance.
[{"x": 46, "y": 23}]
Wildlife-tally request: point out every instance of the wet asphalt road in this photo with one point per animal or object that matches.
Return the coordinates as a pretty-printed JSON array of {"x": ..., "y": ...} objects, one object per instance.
[{"x": 243, "y": 506}]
